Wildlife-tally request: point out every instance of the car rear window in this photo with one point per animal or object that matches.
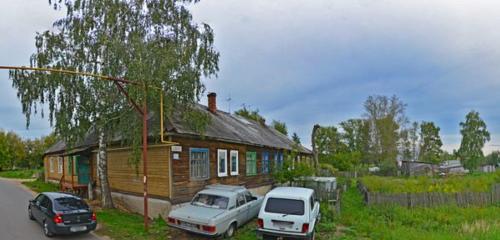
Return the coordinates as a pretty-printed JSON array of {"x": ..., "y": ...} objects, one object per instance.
[
  {"x": 210, "y": 201},
  {"x": 285, "y": 206},
  {"x": 68, "y": 204}
]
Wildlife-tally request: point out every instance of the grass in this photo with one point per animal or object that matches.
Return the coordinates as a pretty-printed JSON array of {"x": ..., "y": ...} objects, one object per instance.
[
  {"x": 358, "y": 221},
  {"x": 18, "y": 174},
  {"x": 468, "y": 183},
  {"x": 121, "y": 225},
  {"x": 41, "y": 186}
]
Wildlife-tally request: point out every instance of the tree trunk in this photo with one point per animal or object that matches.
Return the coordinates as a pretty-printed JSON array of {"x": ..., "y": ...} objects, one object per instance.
[
  {"x": 315, "y": 151},
  {"x": 102, "y": 172}
]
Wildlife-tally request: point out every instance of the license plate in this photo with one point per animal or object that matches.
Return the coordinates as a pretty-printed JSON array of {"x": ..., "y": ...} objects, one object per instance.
[
  {"x": 78, "y": 229},
  {"x": 189, "y": 225}
]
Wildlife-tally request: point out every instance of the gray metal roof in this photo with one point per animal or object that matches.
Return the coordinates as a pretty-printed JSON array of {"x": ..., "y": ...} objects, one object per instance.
[
  {"x": 236, "y": 129},
  {"x": 222, "y": 127}
]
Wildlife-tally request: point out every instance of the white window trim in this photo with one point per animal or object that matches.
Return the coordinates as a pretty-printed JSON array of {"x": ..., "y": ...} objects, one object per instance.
[
  {"x": 51, "y": 164},
  {"x": 60, "y": 165},
  {"x": 231, "y": 153},
  {"x": 221, "y": 152}
]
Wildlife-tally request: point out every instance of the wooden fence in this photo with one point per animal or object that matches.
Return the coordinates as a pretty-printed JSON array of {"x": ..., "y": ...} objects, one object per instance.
[{"x": 431, "y": 199}]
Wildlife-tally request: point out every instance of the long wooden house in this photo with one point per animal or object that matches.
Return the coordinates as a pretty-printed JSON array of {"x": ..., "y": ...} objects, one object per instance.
[{"x": 232, "y": 150}]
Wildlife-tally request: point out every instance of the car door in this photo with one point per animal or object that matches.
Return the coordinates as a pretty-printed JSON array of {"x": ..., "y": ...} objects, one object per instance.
[
  {"x": 35, "y": 207},
  {"x": 253, "y": 210},
  {"x": 45, "y": 208},
  {"x": 241, "y": 209}
]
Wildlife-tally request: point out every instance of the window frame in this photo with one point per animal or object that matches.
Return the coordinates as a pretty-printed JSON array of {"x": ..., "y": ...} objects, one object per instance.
[
  {"x": 51, "y": 164},
  {"x": 231, "y": 154},
  {"x": 220, "y": 153},
  {"x": 253, "y": 171},
  {"x": 265, "y": 165},
  {"x": 207, "y": 164},
  {"x": 60, "y": 163}
]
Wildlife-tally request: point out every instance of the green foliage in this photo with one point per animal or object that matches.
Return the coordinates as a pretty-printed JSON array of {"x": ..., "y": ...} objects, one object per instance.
[
  {"x": 18, "y": 153},
  {"x": 280, "y": 127},
  {"x": 385, "y": 116},
  {"x": 430, "y": 150},
  {"x": 452, "y": 184},
  {"x": 196, "y": 120},
  {"x": 153, "y": 42},
  {"x": 296, "y": 138},
  {"x": 474, "y": 136},
  {"x": 355, "y": 134},
  {"x": 19, "y": 174},
  {"x": 250, "y": 114},
  {"x": 42, "y": 186},
  {"x": 121, "y": 225},
  {"x": 493, "y": 158},
  {"x": 291, "y": 170},
  {"x": 358, "y": 221}
]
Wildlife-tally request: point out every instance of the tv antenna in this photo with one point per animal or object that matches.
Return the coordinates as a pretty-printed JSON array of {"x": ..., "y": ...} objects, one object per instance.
[{"x": 229, "y": 99}]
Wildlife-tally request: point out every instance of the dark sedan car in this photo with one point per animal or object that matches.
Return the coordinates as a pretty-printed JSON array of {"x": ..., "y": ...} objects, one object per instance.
[{"x": 61, "y": 213}]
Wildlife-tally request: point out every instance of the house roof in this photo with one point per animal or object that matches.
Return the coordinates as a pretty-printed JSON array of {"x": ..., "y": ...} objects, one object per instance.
[
  {"x": 222, "y": 127},
  {"x": 228, "y": 127}
]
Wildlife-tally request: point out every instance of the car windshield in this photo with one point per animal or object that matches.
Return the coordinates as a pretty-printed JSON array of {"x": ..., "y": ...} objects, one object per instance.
[
  {"x": 210, "y": 201},
  {"x": 68, "y": 204},
  {"x": 285, "y": 206}
]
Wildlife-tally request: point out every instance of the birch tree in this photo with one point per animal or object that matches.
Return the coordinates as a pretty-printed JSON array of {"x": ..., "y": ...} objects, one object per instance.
[{"x": 153, "y": 42}]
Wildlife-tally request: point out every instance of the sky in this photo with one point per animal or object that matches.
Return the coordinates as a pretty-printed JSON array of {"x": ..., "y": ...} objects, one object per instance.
[{"x": 316, "y": 61}]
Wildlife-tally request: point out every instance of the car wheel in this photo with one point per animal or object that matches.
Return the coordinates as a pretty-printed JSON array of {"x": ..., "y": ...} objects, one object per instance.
[
  {"x": 46, "y": 230},
  {"x": 231, "y": 230},
  {"x": 313, "y": 236},
  {"x": 30, "y": 214}
]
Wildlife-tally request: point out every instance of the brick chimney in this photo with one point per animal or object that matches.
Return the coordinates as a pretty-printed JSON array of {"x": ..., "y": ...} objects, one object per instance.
[{"x": 212, "y": 102}]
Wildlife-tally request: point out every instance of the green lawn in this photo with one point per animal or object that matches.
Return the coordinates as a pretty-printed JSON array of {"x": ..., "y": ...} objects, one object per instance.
[
  {"x": 358, "y": 221},
  {"x": 41, "y": 186},
  {"x": 121, "y": 225},
  {"x": 18, "y": 174},
  {"x": 469, "y": 183}
]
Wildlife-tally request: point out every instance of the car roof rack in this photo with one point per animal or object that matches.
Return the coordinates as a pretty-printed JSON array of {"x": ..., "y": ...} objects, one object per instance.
[{"x": 231, "y": 188}]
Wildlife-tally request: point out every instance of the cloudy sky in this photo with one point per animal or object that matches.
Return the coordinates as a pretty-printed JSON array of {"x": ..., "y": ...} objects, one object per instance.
[{"x": 316, "y": 61}]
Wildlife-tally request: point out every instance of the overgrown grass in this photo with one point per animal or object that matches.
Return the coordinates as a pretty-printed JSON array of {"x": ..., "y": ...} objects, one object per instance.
[
  {"x": 18, "y": 174},
  {"x": 468, "y": 183},
  {"x": 121, "y": 225},
  {"x": 358, "y": 221},
  {"x": 41, "y": 186}
]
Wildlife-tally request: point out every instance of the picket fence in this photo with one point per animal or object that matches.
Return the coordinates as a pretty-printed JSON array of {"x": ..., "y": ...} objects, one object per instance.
[{"x": 432, "y": 199}]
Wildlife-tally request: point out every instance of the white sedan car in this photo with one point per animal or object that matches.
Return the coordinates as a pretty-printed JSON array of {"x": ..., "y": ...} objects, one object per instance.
[{"x": 218, "y": 210}]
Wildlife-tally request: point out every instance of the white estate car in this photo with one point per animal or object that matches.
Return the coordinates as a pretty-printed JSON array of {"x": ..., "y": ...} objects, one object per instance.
[
  {"x": 216, "y": 210},
  {"x": 288, "y": 212}
]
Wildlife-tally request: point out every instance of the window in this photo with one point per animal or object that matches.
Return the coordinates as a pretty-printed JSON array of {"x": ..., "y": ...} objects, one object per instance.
[
  {"x": 69, "y": 204},
  {"x": 60, "y": 165},
  {"x": 234, "y": 162},
  {"x": 69, "y": 166},
  {"x": 249, "y": 197},
  {"x": 311, "y": 200},
  {"x": 278, "y": 160},
  {"x": 265, "y": 162},
  {"x": 222, "y": 163},
  {"x": 240, "y": 200},
  {"x": 285, "y": 206},
  {"x": 210, "y": 201},
  {"x": 51, "y": 164},
  {"x": 251, "y": 163},
  {"x": 199, "y": 164}
]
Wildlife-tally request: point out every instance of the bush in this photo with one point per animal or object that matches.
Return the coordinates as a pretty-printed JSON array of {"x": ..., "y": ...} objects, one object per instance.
[{"x": 452, "y": 184}]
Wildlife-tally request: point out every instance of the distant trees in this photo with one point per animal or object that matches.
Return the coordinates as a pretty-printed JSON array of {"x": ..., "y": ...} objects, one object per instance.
[
  {"x": 18, "y": 153},
  {"x": 493, "y": 158},
  {"x": 250, "y": 114},
  {"x": 296, "y": 138},
  {"x": 430, "y": 150},
  {"x": 474, "y": 136}
]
